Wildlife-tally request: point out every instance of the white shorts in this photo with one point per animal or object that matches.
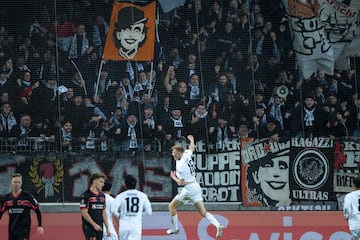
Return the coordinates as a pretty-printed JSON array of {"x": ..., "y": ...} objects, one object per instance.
[{"x": 191, "y": 191}]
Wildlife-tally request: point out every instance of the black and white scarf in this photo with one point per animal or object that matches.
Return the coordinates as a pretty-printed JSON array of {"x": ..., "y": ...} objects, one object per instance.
[
  {"x": 222, "y": 138},
  {"x": 132, "y": 135},
  {"x": 309, "y": 117}
]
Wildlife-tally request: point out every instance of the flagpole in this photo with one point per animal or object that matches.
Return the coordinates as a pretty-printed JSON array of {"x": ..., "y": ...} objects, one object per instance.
[
  {"x": 98, "y": 78},
  {"x": 151, "y": 79}
]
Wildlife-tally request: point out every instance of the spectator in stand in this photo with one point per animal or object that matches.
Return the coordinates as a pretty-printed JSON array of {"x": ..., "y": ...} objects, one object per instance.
[
  {"x": 115, "y": 98},
  {"x": 24, "y": 129},
  {"x": 180, "y": 96},
  {"x": 221, "y": 132},
  {"x": 78, "y": 115},
  {"x": 5, "y": 83},
  {"x": 151, "y": 127},
  {"x": 78, "y": 84},
  {"x": 79, "y": 46},
  {"x": 65, "y": 138},
  {"x": 129, "y": 139},
  {"x": 199, "y": 122},
  {"x": 27, "y": 49},
  {"x": 189, "y": 67},
  {"x": 244, "y": 132},
  {"x": 7, "y": 120},
  {"x": 313, "y": 120},
  {"x": 25, "y": 88},
  {"x": 100, "y": 30},
  {"x": 163, "y": 110},
  {"x": 63, "y": 30},
  {"x": 44, "y": 100},
  {"x": 174, "y": 128},
  {"x": 272, "y": 131},
  {"x": 94, "y": 110},
  {"x": 127, "y": 87},
  {"x": 102, "y": 84},
  {"x": 260, "y": 117}
]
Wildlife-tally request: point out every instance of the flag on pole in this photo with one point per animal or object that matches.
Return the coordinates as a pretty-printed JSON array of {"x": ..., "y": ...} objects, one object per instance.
[{"x": 131, "y": 34}]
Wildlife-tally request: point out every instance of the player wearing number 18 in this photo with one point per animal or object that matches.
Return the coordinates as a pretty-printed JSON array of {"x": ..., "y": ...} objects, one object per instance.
[{"x": 131, "y": 204}]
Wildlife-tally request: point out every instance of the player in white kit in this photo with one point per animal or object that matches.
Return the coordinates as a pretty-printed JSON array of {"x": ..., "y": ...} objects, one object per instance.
[
  {"x": 184, "y": 175},
  {"x": 351, "y": 209},
  {"x": 110, "y": 211},
  {"x": 131, "y": 204}
]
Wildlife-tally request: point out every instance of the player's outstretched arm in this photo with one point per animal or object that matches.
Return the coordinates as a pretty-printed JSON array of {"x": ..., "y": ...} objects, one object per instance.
[{"x": 192, "y": 143}]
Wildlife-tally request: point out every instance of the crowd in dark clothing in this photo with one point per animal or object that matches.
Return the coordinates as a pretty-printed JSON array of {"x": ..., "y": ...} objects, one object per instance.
[{"x": 222, "y": 70}]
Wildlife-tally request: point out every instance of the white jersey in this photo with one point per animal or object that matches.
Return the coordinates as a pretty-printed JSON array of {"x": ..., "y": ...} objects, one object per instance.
[
  {"x": 351, "y": 209},
  {"x": 185, "y": 167},
  {"x": 110, "y": 211},
  {"x": 130, "y": 205}
]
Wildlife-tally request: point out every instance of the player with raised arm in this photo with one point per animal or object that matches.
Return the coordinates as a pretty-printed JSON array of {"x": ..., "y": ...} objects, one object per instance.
[
  {"x": 131, "y": 205},
  {"x": 184, "y": 175},
  {"x": 18, "y": 203}
]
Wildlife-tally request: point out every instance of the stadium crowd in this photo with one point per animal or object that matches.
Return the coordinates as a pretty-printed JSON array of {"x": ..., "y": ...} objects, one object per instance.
[{"x": 222, "y": 70}]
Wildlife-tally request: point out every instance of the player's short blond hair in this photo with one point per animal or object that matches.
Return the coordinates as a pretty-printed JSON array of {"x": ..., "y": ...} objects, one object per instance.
[{"x": 178, "y": 148}]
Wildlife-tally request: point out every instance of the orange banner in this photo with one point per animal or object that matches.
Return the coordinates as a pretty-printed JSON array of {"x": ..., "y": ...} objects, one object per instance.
[{"x": 131, "y": 33}]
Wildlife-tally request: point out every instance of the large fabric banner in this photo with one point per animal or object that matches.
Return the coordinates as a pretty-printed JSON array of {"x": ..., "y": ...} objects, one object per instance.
[
  {"x": 131, "y": 33},
  {"x": 324, "y": 33},
  {"x": 311, "y": 168},
  {"x": 265, "y": 171}
]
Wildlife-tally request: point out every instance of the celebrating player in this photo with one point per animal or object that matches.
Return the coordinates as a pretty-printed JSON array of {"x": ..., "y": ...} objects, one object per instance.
[{"x": 185, "y": 176}]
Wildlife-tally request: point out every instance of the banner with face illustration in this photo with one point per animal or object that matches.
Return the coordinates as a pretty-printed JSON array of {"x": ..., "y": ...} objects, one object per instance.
[
  {"x": 131, "y": 33},
  {"x": 325, "y": 33},
  {"x": 265, "y": 173}
]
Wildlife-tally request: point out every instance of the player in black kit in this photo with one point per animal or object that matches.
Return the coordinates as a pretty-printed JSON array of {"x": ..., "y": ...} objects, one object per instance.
[
  {"x": 92, "y": 208},
  {"x": 18, "y": 203}
]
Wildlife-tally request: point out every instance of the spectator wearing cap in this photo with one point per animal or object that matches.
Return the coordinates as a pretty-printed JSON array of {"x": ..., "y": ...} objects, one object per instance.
[
  {"x": 221, "y": 131},
  {"x": 129, "y": 139},
  {"x": 174, "y": 128},
  {"x": 307, "y": 120},
  {"x": 151, "y": 127},
  {"x": 127, "y": 87},
  {"x": 260, "y": 117}
]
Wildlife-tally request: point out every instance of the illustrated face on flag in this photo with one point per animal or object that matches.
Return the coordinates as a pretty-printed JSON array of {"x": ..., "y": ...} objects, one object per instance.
[
  {"x": 324, "y": 33},
  {"x": 131, "y": 33}
]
